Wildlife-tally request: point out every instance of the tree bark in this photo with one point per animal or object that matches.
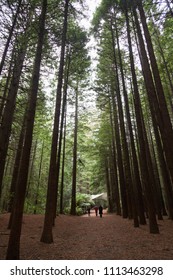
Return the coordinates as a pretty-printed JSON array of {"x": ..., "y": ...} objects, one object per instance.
[
  {"x": 16, "y": 166},
  {"x": 13, "y": 250},
  {"x": 156, "y": 116},
  {"x": 47, "y": 235},
  {"x": 137, "y": 181},
  {"x": 10, "y": 36},
  {"x": 63, "y": 167},
  {"x": 5, "y": 92},
  {"x": 7, "y": 119},
  {"x": 64, "y": 104},
  {"x": 125, "y": 152},
  {"x": 115, "y": 195},
  {"x": 122, "y": 182},
  {"x": 74, "y": 174},
  {"x": 165, "y": 126},
  {"x": 39, "y": 179},
  {"x": 144, "y": 167}
]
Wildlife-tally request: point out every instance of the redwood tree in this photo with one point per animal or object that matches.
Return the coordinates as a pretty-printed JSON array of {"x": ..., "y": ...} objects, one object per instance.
[
  {"x": 13, "y": 250},
  {"x": 47, "y": 235}
]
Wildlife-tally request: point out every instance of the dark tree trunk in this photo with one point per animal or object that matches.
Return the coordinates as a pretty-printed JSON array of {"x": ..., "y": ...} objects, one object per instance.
[
  {"x": 62, "y": 123},
  {"x": 165, "y": 126},
  {"x": 47, "y": 235},
  {"x": 156, "y": 116},
  {"x": 39, "y": 180},
  {"x": 130, "y": 186},
  {"x": 10, "y": 36},
  {"x": 30, "y": 173},
  {"x": 114, "y": 176},
  {"x": 137, "y": 181},
  {"x": 16, "y": 166},
  {"x": 7, "y": 119},
  {"x": 108, "y": 187},
  {"x": 139, "y": 119},
  {"x": 63, "y": 167},
  {"x": 148, "y": 82},
  {"x": 16, "y": 171},
  {"x": 125, "y": 152},
  {"x": 64, "y": 136},
  {"x": 13, "y": 251},
  {"x": 74, "y": 174},
  {"x": 5, "y": 92},
  {"x": 122, "y": 182},
  {"x": 157, "y": 189}
]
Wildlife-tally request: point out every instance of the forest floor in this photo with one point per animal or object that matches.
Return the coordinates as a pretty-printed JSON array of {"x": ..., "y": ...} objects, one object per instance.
[{"x": 91, "y": 238}]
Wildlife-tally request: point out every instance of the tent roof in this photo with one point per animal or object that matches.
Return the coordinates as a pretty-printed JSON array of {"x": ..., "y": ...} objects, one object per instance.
[{"x": 99, "y": 196}]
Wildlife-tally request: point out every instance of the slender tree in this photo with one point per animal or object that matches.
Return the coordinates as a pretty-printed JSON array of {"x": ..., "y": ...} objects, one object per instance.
[
  {"x": 10, "y": 35},
  {"x": 47, "y": 235},
  {"x": 64, "y": 105},
  {"x": 74, "y": 174}
]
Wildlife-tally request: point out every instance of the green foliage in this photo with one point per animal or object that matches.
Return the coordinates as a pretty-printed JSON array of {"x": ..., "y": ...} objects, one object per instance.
[{"x": 82, "y": 198}]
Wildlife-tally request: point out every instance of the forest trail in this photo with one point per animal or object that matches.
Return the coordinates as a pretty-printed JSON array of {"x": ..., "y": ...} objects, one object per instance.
[{"x": 90, "y": 238}]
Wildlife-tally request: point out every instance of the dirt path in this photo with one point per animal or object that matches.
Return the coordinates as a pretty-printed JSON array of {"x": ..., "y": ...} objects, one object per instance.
[{"x": 87, "y": 238}]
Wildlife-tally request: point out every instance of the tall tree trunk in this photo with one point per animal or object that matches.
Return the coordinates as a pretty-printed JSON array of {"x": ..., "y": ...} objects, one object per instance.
[
  {"x": 7, "y": 119},
  {"x": 39, "y": 180},
  {"x": 149, "y": 87},
  {"x": 5, "y": 92},
  {"x": 16, "y": 166},
  {"x": 10, "y": 36},
  {"x": 122, "y": 182},
  {"x": 16, "y": 171},
  {"x": 125, "y": 152},
  {"x": 130, "y": 187},
  {"x": 30, "y": 174},
  {"x": 165, "y": 127},
  {"x": 137, "y": 181},
  {"x": 144, "y": 167},
  {"x": 156, "y": 116},
  {"x": 115, "y": 190},
  {"x": 13, "y": 250},
  {"x": 47, "y": 235},
  {"x": 63, "y": 167},
  {"x": 157, "y": 189},
  {"x": 62, "y": 122},
  {"x": 108, "y": 186},
  {"x": 74, "y": 174}
]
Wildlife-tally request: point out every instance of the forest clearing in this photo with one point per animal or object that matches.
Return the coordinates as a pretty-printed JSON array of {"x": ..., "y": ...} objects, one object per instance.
[
  {"x": 91, "y": 238},
  {"x": 86, "y": 120}
]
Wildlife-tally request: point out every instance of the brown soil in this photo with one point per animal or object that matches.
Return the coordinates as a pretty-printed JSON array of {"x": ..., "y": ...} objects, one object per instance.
[{"x": 90, "y": 238}]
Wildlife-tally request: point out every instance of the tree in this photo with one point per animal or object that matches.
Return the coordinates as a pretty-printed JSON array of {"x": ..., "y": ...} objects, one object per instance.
[
  {"x": 47, "y": 236},
  {"x": 73, "y": 196},
  {"x": 7, "y": 119},
  {"x": 165, "y": 127},
  {"x": 14, "y": 239},
  {"x": 80, "y": 62},
  {"x": 10, "y": 35},
  {"x": 141, "y": 130}
]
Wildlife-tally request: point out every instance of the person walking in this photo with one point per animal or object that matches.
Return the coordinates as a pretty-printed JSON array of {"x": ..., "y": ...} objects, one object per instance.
[
  {"x": 100, "y": 211},
  {"x": 96, "y": 210}
]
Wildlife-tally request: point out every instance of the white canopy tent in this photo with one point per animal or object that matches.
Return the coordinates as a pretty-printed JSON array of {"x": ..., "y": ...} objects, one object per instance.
[{"x": 102, "y": 196}]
